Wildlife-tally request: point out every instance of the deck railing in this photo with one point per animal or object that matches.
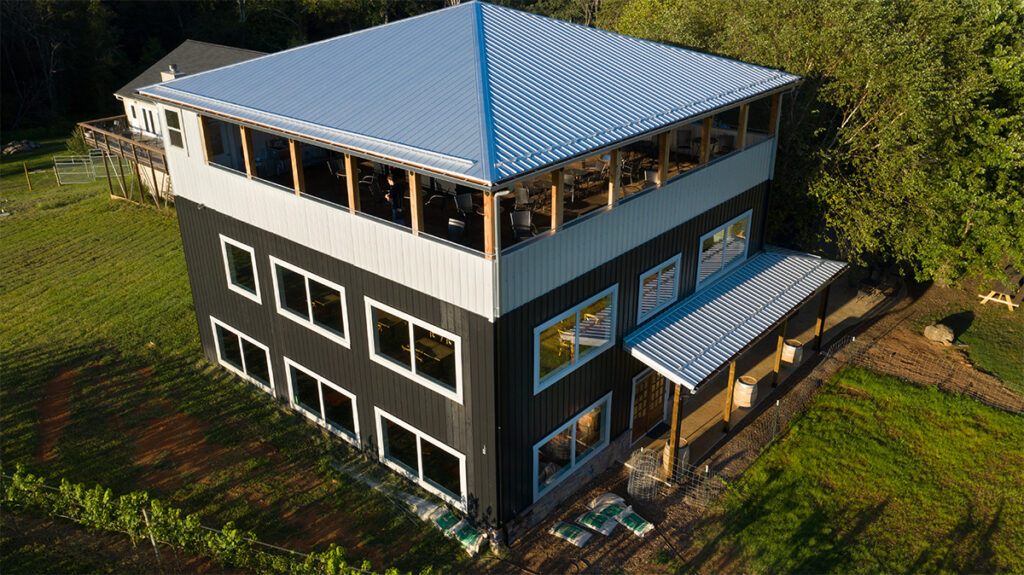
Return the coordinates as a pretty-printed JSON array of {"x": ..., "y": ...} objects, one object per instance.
[{"x": 114, "y": 136}]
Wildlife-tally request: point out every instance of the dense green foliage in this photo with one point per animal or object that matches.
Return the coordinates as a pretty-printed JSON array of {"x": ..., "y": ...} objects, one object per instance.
[
  {"x": 908, "y": 130},
  {"x": 878, "y": 476}
]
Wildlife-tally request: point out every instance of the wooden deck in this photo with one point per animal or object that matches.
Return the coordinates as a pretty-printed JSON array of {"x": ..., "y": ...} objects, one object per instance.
[{"x": 113, "y": 136}]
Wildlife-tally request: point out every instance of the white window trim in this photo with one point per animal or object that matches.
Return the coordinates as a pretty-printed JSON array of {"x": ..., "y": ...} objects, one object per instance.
[
  {"x": 410, "y": 372},
  {"x": 721, "y": 271},
  {"x": 257, "y": 297},
  {"x": 558, "y": 374},
  {"x": 308, "y": 320},
  {"x": 269, "y": 388},
  {"x": 322, "y": 419},
  {"x": 632, "y": 400},
  {"x": 575, "y": 465},
  {"x": 180, "y": 129},
  {"x": 640, "y": 315},
  {"x": 417, "y": 476}
]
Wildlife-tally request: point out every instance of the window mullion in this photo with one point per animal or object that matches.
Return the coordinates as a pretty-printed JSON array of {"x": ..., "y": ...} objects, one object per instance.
[
  {"x": 419, "y": 456},
  {"x": 572, "y": 443},
  {"x": 309, "y": 300},
  {"x": 576, "y": 339},
  {"x": 320, "y": 393},
  {"x": 241, "y": 349},
  {"x": 412, "y": 347}
]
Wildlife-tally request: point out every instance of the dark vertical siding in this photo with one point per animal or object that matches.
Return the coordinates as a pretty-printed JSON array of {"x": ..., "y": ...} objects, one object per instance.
[
  {"x": 468, "y": 428},
  {"x": 525, "y": 418}
]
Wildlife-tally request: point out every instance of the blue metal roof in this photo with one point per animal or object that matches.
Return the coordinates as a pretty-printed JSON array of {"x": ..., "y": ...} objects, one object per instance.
[
  {"x": 693, "y": 339},
  {"x": 478, "y": 91}
]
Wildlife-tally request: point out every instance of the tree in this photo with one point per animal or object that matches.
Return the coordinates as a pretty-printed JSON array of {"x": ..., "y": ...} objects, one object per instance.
[{"x": 905, "y": 143}]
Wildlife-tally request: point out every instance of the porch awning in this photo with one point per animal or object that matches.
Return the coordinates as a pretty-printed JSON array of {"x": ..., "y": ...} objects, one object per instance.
[{"x": 690, "y": 341}]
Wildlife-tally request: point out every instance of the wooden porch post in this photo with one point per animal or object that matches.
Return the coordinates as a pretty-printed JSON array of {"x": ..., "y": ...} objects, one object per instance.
[
  {"x": 557, "y": 195},
  {"x": 352, "y": 183},
  {"x": 120, "y": 170},
  {"x": 247, "y": 152},
  {"x": 138, "y": 176},
  {"x": 773, "y": 116},
  {"x": 741, "y": 127},
  {"x": 490, "y": 244},
  {"x": 673, "y": 438},
  {"x": 415, "y": 202},
  {"x": 819, "y": 326},
  {"x": 614, "y": 176},
  {"x": 298, "y": 175},
  {"x": 663, "y": 148},
  {"x": 705, "y": 139},
  {"x": 204, "y": 136},
  {"x": 778, "y": 354},
  {"x": 106, "y": 167},
  {"x": 728, "y": 398},
  {"x": 152, "y": 172}
]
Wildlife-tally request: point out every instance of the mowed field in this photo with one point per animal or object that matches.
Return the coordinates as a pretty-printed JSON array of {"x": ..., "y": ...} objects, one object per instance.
[
  {"x": 878, "y": 476},
  {"x": 103, "y": 381}
]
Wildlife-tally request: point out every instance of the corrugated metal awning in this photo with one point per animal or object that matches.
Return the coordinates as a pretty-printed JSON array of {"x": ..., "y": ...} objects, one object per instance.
[{"x": 693, "y": 339}]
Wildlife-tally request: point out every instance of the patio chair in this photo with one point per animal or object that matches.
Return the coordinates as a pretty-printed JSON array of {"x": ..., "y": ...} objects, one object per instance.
[
  {"x": 522, "y": 195},
  {"x": 337, "y": 168},
  {"x": 464, "y": 203},
  {"x": 522, "y": 224},
  {"x": 650, "y": 178}
]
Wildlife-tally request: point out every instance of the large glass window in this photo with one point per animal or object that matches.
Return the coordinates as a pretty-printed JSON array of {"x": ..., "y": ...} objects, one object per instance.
[
  {"x": 569, "y": 340},
  {"x": 433, "y": 465},
  {"x": 242, "y": 355},
  {"x": 322, "y": 401},
  {"x": 659, "y": 287},
  {"x": 240, "y": 268},
  {"x": 427, "y": 354},
  {"x": 571, "y": 445},
  {"x": 310, "y": 300},
  {"x": 723, "y": 248}
]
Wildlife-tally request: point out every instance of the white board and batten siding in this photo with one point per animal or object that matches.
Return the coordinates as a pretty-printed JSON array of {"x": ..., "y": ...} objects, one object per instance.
[
  {"x": 535, "y": 269},
  {"x": 431, "y": 267}
]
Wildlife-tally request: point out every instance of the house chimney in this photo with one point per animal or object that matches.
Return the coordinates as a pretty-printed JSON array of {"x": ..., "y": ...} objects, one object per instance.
[{"x": 171, "y": 73}]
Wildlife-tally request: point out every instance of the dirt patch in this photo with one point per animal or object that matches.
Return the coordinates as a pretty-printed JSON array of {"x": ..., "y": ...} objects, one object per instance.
[{"x": 55, "y": 412}]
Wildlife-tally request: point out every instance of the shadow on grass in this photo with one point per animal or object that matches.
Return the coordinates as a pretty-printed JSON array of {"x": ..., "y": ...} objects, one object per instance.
[{"x": 959, "y": 322}]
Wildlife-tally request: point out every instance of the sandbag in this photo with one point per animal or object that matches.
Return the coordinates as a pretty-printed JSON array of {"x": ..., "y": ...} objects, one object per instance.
[{"x": 571, "y": 533}]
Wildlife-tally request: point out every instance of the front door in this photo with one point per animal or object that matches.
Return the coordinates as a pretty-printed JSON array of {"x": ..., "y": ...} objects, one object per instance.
[{"x": 649, "y": 391}]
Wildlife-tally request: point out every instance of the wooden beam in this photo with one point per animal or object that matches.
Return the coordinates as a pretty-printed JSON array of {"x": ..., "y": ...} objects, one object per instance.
[
  {"x": 298, "y": 174},
  {"x": 416, "y": 202},
  {"x": 124, "y": 185},
  {"x": 819, "y": 325},
  {"x": 663, "y": 148},
  {"x": 557, "y": 197},
  {"x": 773, "y": 116},
  {"x": 673, "y": 438},
  {"x": 705, "y": 139},
  {"x": 204, "y": 137},
  {"x": 248, "y": 155},
  {"x": 138, "y": 178},
  {"x": 778, "y": 354},
  {"x": 728, "y": 398},
  {"x": 352, "y": 182},
  {"x": 106, "y": 167},
  {"x": 614, "y": 176},
  {"x": 741, "y": 127},
  {"x": 490, "y": 245},
  {"x": 152, "y": 172}
]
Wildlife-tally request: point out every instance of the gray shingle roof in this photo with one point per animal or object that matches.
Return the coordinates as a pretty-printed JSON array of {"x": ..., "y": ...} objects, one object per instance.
[{"x": 191, "y": 57}]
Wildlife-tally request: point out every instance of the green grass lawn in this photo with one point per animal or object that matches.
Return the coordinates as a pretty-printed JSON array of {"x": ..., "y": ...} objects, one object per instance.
[
  {"x": 100, "y": 286},
  {"x": 877, "y": 476}
]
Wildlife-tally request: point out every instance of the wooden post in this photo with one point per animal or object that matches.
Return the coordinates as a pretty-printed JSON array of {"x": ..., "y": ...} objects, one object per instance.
[
  {"x": 614, "y": 176},
  {"x": 124, "y": 186},
  {"x": 298, "y": 176},
  {"x": 490, "y": 244},
  {"x": 352, "y": 183},
  {"x": 705, "y": 139},
  {"x": 663, "y": 148},
  {"x": 778, "y": 354},
  {"x": 152, "y": 171},
  {"x": 247, "y": 152},
  {"x": 27, "y": 179},
  {"x": 204, "y": 135},
  {"x": 138, "y": 176},
  {"x": 416, "y": 202},
  {"x": 673, "y": 438},
  {"x": 728, "y": 399},
  {"x": 557, "y": 195},
  {"x": 819, "y": 326},
  {"x": 56, "y": 177},
  {"x": 741, "y": 127},
  {"x": 106, "y": 167},
  {"x": 773, "y": 116}
]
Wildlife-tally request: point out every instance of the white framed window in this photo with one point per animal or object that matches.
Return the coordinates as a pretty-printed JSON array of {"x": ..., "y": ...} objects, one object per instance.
[
  {"x": 310, "y": 300},
  {"x": 433, "y": 465},
  {"x": 723, "y": 248},
  {"x": 240, "y": 268},
  {"x": 175, "y": 135},
  {"x": 422, "y": 352},
  {"x": 242, "y": 355},
  {"x": 659, "y": 287},
  {"x": 322, "y": 401},
  {"x": 570, "y": 446},
  {"x": 572, "y": 338},
  {"x": 132, "y": 107}
]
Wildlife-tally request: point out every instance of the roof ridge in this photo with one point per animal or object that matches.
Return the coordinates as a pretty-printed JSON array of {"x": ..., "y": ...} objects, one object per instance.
[{"x": 483, "y": 69}]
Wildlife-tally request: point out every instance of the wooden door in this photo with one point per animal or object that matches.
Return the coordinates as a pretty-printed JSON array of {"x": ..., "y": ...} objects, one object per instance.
[{"x": 648, "y": 403}]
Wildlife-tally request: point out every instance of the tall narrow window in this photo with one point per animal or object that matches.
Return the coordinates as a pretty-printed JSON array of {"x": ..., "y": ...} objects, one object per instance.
[
  {"x": 240, "y": 268},
  {"x": 323, "y": 401},
  {"x": 414, "y": 454},
  {"x": 659, "y": 287},
  {"x": 723, "y": 248},
  {"x": 571, "y": 339},
  {"x": 242, "y": 355},
  {"x": 311, "y": 300},
  {"x": 569, "y": 446},
  {"x": 174, "y": 133}
]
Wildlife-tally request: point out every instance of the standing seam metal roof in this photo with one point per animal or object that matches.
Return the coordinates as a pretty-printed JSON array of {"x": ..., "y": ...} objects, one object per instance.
[{"x": 475, "y": 90}]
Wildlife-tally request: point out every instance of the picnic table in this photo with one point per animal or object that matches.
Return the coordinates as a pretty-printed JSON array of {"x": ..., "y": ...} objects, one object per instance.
[{"x": 1010, "y": 296}]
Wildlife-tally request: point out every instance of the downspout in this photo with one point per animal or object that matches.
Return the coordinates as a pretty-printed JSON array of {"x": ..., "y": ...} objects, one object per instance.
[{"x": 498, "y": 404}]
